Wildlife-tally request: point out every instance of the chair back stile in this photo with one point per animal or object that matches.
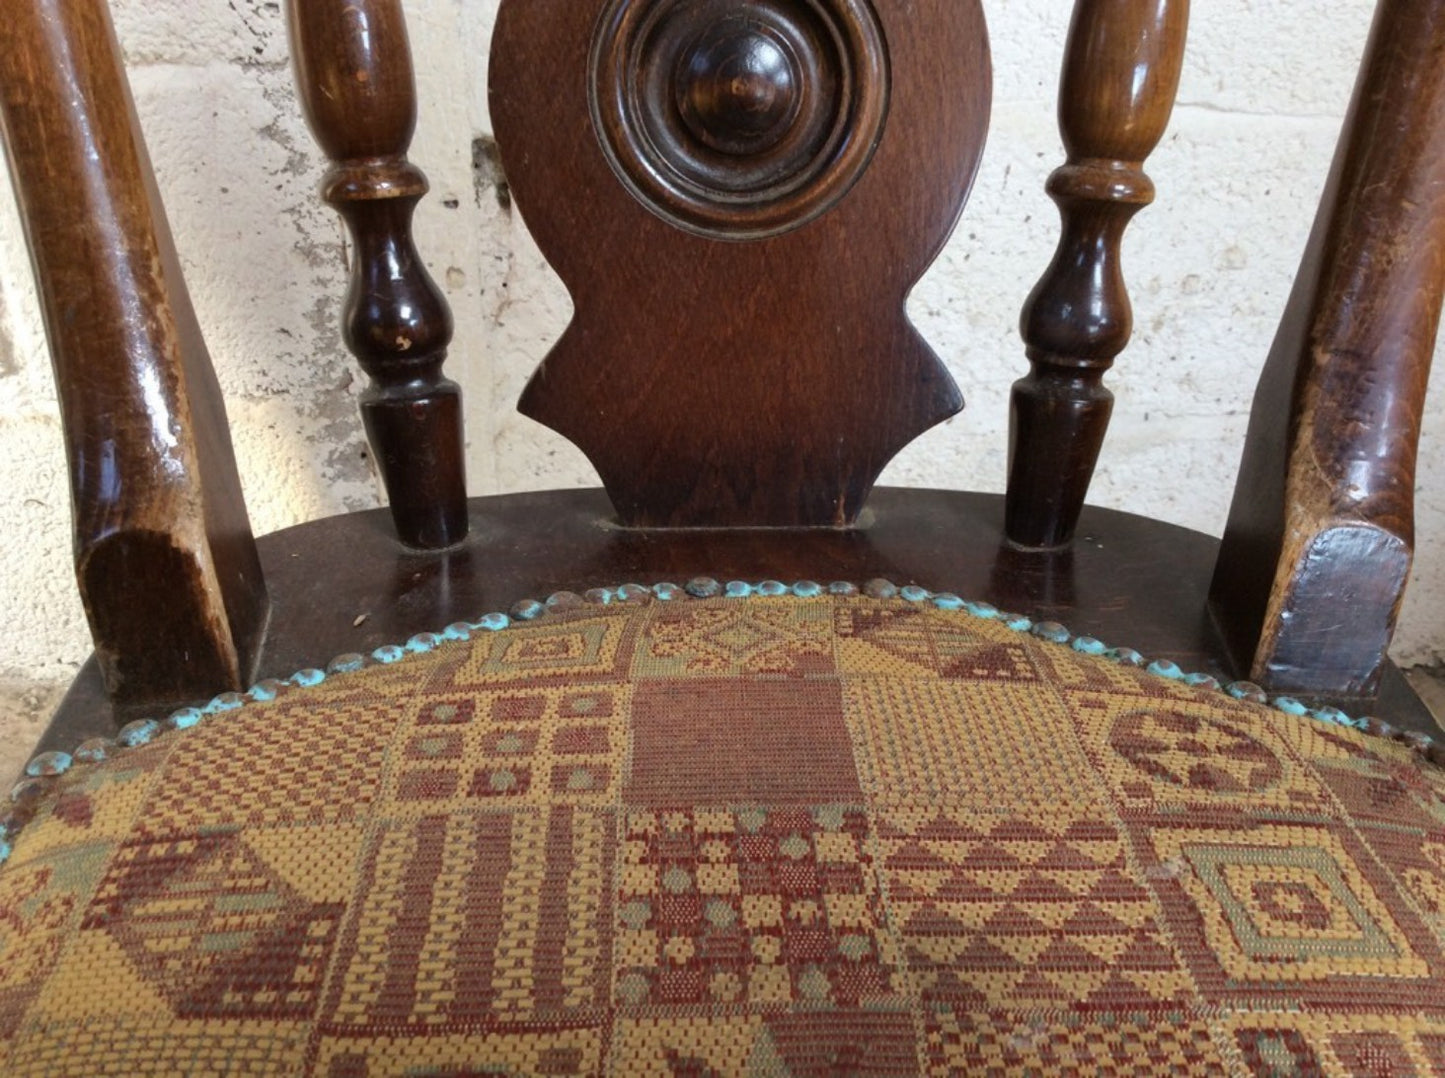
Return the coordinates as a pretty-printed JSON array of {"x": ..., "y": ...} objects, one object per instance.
[
  {"x": 1314, "y": 562},
  {"x": 163, "y": 549}
]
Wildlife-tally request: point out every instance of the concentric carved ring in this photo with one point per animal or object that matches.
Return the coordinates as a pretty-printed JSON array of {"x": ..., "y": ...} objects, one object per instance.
[{"x": 739, "y": 119}]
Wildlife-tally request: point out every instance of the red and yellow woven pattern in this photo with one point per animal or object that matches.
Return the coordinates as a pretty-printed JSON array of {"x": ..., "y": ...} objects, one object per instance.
[{"x": 777, "y": 836}]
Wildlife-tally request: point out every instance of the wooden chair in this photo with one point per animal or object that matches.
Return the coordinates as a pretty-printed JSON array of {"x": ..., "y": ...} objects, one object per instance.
[{"x": 1251, "y": 887}]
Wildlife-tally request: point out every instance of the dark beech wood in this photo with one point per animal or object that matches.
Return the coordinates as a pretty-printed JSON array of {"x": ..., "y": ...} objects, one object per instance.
[
  {"x": 1320, "y": 538},
  {"x": 1127, "y": 580},
  {"x": 355, "y": 81},
  {"x": 167, "y": 568},
  {"x": 1121, "y": 72},
  {"x": 737, "y": 249}
]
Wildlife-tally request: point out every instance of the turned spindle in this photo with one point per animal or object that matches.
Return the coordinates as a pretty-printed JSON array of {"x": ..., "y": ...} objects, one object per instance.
[
  {"x": 1121, "y": 72},
  {"x": 354, "y": 77}
]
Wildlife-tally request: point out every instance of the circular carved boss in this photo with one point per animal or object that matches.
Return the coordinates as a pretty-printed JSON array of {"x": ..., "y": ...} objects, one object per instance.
[{"x": 739, "y": 118}]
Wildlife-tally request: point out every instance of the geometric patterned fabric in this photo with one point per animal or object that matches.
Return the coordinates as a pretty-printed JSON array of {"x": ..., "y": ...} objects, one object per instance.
[{"x": 780, "y": 836}]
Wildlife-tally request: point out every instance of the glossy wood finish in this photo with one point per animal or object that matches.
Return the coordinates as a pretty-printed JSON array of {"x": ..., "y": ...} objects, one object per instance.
[
  {"x": 1320, "y": 536},
  {"x": 739, "y": 352},
  {"x": 354, "y": 77},
  {"x": 1126, "y": 580},
  {"x": 1121, "y": 72},
  {"x": 163, "y": 550}
]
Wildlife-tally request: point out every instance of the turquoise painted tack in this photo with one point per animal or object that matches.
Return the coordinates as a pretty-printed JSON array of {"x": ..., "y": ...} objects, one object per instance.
[
  {"x": 184, "y": 718},
  {"x": 1051, "y": 631},
  {"x": 134, "y": 734},
  {"x": 49, "y": 764},
  {"x": 704, "y": 587},
  {"x": 598, "y": 596},
  {"x": 267, "y": 689},
  {"x": 423, "y": 642},
  {"x": 878, "y": 588},
  {"x": 93, "y": 750},
  {"x": 528, "y": 610},
  {"x": 28, "y": 791},
  {"x": 1247, "y": 690},
  {"x": 41, "y": 771},
  {"x": 1166, "y": 668}
]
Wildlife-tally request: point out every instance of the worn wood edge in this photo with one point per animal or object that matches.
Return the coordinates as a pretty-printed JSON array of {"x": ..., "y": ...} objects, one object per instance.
[{"x": 1348, "y": 367}]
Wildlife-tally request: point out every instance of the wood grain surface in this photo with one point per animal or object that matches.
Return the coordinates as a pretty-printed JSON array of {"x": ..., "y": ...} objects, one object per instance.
[
  {"x": 163, "y": 550},
  {"x": 1121, "y": 72},
  {"x": 1321, "y": 533},
  {"x": 356, "y": 85},
  {"x": 719, "y": 378},
  {"x": 1127, "y": 580}
]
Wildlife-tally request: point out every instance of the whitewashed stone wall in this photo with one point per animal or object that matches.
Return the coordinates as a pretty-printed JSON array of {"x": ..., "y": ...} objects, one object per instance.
[{"x": 1264, "y": 88}]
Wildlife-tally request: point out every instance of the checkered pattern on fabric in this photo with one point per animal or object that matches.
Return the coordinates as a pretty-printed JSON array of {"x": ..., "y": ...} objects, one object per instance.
[{"x": 779, "y": 836}]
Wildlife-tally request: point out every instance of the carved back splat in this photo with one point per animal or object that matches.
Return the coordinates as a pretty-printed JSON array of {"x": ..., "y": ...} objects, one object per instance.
[{"x": 739, "y": 196}]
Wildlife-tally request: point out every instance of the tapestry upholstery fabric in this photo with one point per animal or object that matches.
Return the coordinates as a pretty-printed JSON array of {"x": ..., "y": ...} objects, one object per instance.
[{"x": 772, "y": 836}]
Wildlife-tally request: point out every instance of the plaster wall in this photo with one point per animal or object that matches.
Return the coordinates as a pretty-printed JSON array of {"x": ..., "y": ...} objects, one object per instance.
[{"x": 1265, "y": 85}]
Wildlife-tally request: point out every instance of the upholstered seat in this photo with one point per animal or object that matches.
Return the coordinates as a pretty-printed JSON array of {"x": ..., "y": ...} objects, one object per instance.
[{"x": 770, "y": 831}]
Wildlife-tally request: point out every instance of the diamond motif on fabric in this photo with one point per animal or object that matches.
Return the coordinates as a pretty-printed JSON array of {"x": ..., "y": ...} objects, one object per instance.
[
  {"x": 1290, "y": 909},
  {"x": 211, "y": 926},
  {"x": 762, "y": 636}
]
